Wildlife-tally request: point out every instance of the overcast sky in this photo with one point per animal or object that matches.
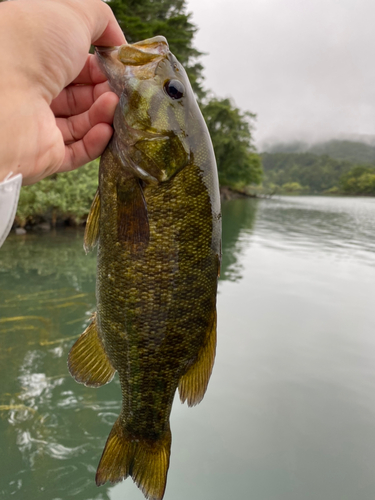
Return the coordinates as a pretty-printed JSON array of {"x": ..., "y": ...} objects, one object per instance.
[{"x": 305, "y": 67}]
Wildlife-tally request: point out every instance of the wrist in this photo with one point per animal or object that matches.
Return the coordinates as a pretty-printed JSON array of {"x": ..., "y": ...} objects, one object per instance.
[
  {"x": 18, "y": 126},
  {"x": 12, "y": 122}
]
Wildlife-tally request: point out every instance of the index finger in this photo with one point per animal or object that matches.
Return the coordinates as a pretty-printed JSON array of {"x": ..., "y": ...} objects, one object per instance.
[
  {"x": 91, "y": 73},
  {"x": 112, "y": 35},
  {"x": 105, "y": 30}
]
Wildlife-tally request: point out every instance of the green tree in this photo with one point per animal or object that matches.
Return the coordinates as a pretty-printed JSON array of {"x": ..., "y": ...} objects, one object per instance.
[
  {"x": 292, "y": 188},
  {"x": 141, "y": 19},
  {"x": 62, "y": 197},
  {"x": 230, "y": 129},
  {"x": 360, "y": 180}
]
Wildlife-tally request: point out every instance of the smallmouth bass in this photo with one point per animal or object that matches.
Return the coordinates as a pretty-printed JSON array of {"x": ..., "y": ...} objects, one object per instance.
[{"x": 156, "y": 219}]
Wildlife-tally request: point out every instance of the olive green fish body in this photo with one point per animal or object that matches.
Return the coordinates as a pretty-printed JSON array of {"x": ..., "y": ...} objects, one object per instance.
[{"x": 157, "y": 221}]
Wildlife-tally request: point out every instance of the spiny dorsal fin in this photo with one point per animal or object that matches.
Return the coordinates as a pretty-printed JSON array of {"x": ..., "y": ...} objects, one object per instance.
[
  {"x": 193, "y": 385},
  {"x": 92, "y": 224},
  {"x": 88, "y": 362},
  {"x": 146, "y": 461}
]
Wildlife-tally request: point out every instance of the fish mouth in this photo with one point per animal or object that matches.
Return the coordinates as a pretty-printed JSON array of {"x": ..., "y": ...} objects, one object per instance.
[
  {"x": 136, "y": 54},
  {"x": 140, "y": 58},
  {"x": 155, "y": 45}
]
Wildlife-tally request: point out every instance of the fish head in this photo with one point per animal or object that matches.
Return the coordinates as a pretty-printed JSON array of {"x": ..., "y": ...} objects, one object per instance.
[{"x": 156, "y": 116}]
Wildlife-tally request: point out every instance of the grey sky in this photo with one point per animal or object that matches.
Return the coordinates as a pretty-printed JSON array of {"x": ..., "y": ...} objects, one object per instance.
[{"x": 305, "y": 67}]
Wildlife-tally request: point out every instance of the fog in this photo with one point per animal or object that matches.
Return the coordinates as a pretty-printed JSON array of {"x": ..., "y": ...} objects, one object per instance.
[{"x": 306, "y": 68}]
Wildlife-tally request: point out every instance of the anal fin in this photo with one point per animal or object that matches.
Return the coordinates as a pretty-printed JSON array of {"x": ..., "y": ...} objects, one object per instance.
[
  {"x": 145, "y": 460},
  {"x": 193, "y": 385},
  {"x": 88, "y": 362}
]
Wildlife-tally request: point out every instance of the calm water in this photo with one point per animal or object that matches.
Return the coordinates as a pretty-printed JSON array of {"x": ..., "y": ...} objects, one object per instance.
[{"x": 290, "y": 410}]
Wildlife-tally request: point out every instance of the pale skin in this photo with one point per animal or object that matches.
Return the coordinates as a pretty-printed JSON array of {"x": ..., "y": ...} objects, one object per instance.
[{"x": 56, "y": 105}]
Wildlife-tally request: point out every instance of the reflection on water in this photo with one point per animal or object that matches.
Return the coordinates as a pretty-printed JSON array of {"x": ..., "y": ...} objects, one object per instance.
[
  {"x": 238, "y": 221},
  {"x": 290, "y": 410}
]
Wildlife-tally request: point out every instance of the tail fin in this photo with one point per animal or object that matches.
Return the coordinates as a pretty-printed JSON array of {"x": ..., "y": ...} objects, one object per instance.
[{"x": 146, "y": 461}]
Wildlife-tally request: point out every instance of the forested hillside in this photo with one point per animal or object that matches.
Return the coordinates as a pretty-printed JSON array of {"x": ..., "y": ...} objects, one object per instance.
[
  {"x": 332, "y": 167},
  {"x": 313, "y": 173}
]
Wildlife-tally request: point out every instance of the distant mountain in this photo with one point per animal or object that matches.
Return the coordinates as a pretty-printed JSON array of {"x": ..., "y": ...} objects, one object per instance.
[{"x": 358, "y": 152}]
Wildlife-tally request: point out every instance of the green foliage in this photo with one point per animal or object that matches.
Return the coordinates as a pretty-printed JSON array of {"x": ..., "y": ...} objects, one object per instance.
[
  {"x": 230, "y": 130},
  {"x": 317, "y": 173},
  {"x": 141, "y": 19},
  {"x": 292, "y": 188},
  {"x": 360, "y": 180},
  {"x": 332, "y": 191},
  {"x": 60, "y": 197}
]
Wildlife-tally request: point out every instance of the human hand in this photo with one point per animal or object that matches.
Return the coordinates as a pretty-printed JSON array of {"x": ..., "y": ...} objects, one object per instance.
[{"x": 56, "y": 105}]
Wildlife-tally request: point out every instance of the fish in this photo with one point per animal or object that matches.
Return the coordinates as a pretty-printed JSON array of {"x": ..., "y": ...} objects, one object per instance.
[{"x": 156, "y": 220}]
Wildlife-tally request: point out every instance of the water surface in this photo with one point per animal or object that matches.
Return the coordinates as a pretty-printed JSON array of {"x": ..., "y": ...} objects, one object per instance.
[{"x": 290, "y": 409}]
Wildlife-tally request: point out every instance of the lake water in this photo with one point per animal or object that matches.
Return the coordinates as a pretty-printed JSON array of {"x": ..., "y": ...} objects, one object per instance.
[{"x": 290, "y": 410}]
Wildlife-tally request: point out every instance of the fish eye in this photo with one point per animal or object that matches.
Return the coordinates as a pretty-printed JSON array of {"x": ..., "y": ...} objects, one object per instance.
[{"x": 174, "y": 88}]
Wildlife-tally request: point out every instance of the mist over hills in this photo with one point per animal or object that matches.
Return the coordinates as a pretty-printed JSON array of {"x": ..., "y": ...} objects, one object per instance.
[{"x": 355, "y": 149}]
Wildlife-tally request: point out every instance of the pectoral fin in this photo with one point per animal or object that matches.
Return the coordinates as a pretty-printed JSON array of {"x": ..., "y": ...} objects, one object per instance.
[
  {"x": 193, "y": 384},
  {"x": 88, "y": 362},
  {"x": 132, "y": 219},
  {"x": 92, "y": 224}
]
